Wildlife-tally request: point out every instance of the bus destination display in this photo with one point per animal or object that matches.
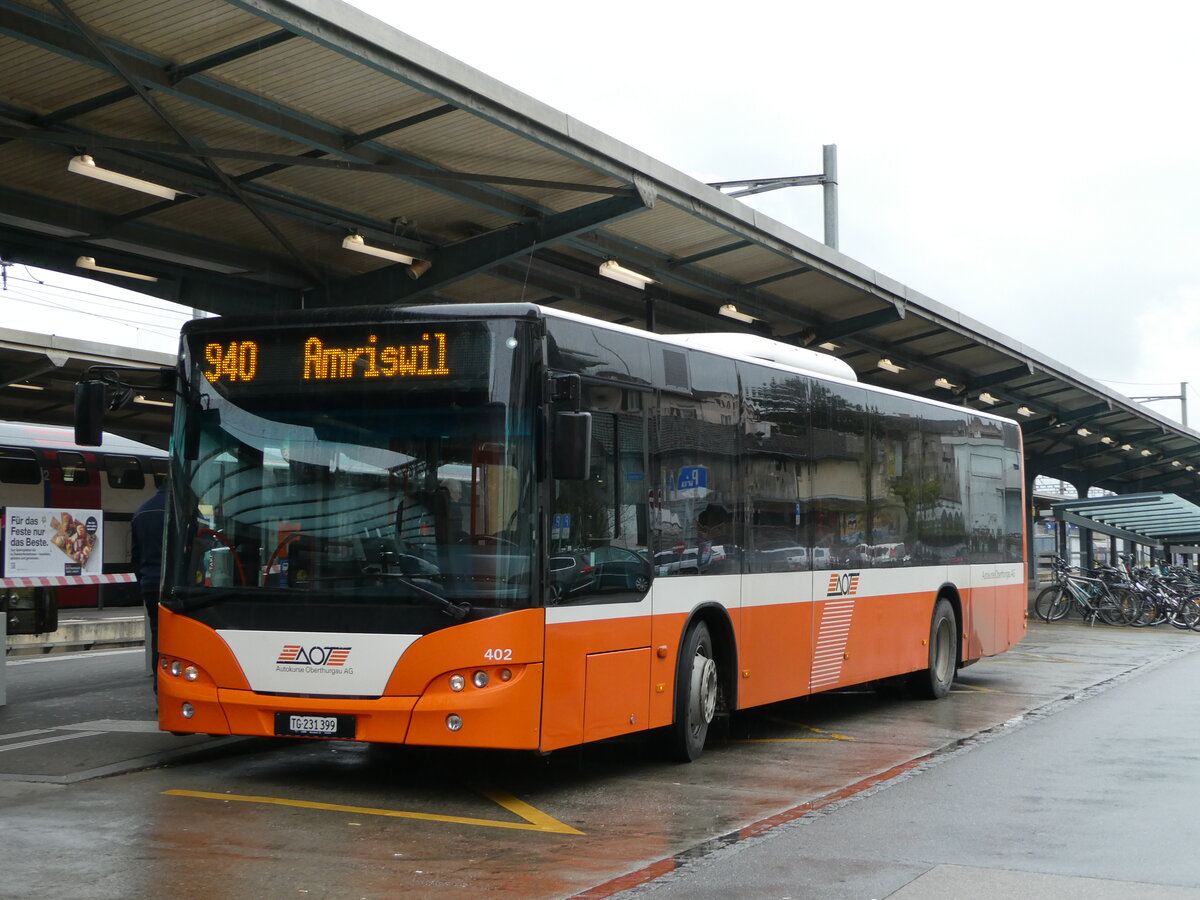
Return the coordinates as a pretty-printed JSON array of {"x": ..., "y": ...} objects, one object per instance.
[{"x": 367, "y": 356}]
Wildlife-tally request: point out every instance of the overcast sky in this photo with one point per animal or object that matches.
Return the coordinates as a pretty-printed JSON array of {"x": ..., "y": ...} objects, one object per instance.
[{"x": 1033, "y": 165}]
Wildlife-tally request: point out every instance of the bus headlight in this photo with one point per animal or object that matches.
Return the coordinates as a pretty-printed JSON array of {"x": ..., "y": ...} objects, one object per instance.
[
  {"x": 188, "y": 710},
  {"x": 454, "y": 722},
  {"x": 457, "y": 683},
  {"x": 191, "y": 673},
  {"x": 176, "y": 667},
  {"x": 481, "y": 679}
]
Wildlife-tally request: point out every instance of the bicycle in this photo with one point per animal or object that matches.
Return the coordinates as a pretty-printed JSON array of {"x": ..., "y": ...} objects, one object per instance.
[
  {"x": 1165, "y": 600},
  {"x": 1105, "y": 596}
]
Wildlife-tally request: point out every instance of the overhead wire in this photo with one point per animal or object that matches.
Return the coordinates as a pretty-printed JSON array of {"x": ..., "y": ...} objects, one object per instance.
[{"x": 165, "y": 328}]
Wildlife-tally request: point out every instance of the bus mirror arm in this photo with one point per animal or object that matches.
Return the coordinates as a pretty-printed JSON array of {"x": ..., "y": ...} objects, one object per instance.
[{"x": 117, "y": 384}]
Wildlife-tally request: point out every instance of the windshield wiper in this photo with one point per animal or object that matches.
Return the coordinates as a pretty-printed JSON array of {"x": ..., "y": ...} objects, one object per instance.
[
  {"x": 212, "y": 597},
  {"x": 456, "y": 611}
]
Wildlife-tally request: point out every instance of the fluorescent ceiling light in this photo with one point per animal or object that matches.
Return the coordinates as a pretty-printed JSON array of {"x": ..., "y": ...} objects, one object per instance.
[
  {"x": 730, "y": 311},
  {"x": 26, "y": 387},
  {"x": 988, "y": 398},
  {"x": 888, "y": 366},
  {"x": 1176, "y": 462},
  {"x": 140, "y": 399},
  {"x": 89, "y": 263},
  {"x": 1126, "y": 446},
  {"x": 1024, "y": 411},
  {"x": 829, "y": 345},
  {"x": 610, "y": 268},
  {"x": 1147, "y": 453},
  {"x": 1107, "y": 440},
  {"x": 85, "y": 165},
  {"x": 1082, "y": 432},
  {"x": 356, "y": 243},
  {"x": 944, "y": 383}
]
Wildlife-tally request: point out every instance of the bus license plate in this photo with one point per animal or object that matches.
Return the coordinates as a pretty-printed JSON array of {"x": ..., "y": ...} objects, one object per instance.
[{"x": 305, "y": 725}]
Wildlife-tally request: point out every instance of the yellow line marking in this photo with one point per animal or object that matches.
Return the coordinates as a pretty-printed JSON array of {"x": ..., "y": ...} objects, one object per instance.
[
  {"x": 971, "y": 688},
  {"x": 535, "y": 820},
  {"x": 528, "y": 813},
  {"x": 826, "y": 736}
]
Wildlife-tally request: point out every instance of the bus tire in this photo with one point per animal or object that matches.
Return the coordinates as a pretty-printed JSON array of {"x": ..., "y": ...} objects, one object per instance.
[
  {"x": 697, "y": 688},
  {"x": 934, "y": 682}
]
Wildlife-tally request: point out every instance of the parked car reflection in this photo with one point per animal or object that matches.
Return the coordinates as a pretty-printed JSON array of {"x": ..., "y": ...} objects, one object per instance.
[{"x": 578, "y": 575}]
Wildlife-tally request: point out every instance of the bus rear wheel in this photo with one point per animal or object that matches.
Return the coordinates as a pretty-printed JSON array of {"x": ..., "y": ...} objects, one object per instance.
[
  {"x": 934, "y": 682},
  {"x": 697, "y": 689}
]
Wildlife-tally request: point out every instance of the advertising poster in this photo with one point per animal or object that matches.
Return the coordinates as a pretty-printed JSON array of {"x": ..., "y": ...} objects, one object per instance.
[{"x": 47, "y": 542}]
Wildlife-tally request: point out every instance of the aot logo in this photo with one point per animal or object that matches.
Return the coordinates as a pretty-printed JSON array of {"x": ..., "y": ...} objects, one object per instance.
[
  {"x": 842, "y": 585},
  {"x": 313, "y": 656}
]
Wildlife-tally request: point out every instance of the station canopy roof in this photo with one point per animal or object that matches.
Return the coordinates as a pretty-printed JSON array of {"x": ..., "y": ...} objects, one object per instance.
[
  {"x": 286, "y": 127},
  {"x": 1149, "y": 518}
]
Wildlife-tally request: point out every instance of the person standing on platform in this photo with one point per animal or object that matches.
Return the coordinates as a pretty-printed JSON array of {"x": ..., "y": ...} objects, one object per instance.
[{"x": 148, "y": 524}]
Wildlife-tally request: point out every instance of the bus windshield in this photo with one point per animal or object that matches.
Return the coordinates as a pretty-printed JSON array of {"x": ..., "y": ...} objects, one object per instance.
[{"x": 300, "y": 501}]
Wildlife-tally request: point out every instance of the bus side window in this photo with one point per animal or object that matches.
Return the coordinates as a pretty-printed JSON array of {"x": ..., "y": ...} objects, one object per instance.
[
  {"x": 124, "y": 472},
  {"x": 73, "y": 468},
  {"x": 19, "y": 467}
]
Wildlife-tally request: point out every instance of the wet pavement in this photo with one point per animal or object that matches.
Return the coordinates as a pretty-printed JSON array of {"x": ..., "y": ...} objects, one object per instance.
[{"x": 198, "y": 816}]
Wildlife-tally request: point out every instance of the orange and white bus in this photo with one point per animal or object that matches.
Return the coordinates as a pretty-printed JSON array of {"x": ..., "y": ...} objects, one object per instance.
[{"x": 506, "y": 526}]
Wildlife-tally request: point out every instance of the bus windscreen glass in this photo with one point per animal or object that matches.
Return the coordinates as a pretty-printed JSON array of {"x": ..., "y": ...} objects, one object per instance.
[{"x": 382, "y": 468}]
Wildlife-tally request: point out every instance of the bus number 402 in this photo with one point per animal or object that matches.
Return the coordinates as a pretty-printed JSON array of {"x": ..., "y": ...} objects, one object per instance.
[{"x": 499, "y": 655}]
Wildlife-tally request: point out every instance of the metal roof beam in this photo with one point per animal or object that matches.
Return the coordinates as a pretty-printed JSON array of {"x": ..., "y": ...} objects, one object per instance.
[
  {"x": 709, "y": 254},
  {"x": 1002, "y": 377},
  {"x": 1092, "y": 525},
  {"x": 57, "y": 36},
  {"x": 478, "y": 254},
  {"x": 831, "y": 331},
  {"x": 280, "y": 161},
  {"x": 115, "y": 63}
]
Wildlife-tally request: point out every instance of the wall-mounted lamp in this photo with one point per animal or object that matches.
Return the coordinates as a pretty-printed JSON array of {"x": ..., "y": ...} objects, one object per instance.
[
  {"x": 85, "y": 165},
  {"x": 418, "y": 268},
  {"x": 1024, "y": 411},
  {"x": 89, "y": 263},
  {"x": 356, "y": 243},
  {"x": 610, "y": 268},
  {"x": 888, "y": 366},
  {"x": 730, "y": 311}
]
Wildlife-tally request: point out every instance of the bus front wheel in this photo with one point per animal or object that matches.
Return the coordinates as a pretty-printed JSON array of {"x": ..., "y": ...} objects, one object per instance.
[
  {"x": 934, "y": 682},
  {"x": 696, "y": 691}
]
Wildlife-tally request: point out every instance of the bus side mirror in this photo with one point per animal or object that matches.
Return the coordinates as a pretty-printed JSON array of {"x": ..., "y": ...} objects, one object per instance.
[
  {"x": 572, "y": 451},
  {"x": 89, "y": 413}
]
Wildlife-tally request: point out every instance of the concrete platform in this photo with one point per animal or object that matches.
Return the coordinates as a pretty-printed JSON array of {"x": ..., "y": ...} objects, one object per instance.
[{"x": 84, "y": 629}]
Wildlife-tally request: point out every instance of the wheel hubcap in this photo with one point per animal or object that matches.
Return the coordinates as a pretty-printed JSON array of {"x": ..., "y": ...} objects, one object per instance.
[
  {"x": 941, "y": 650},
  {"x": 704, "y": 690}
]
